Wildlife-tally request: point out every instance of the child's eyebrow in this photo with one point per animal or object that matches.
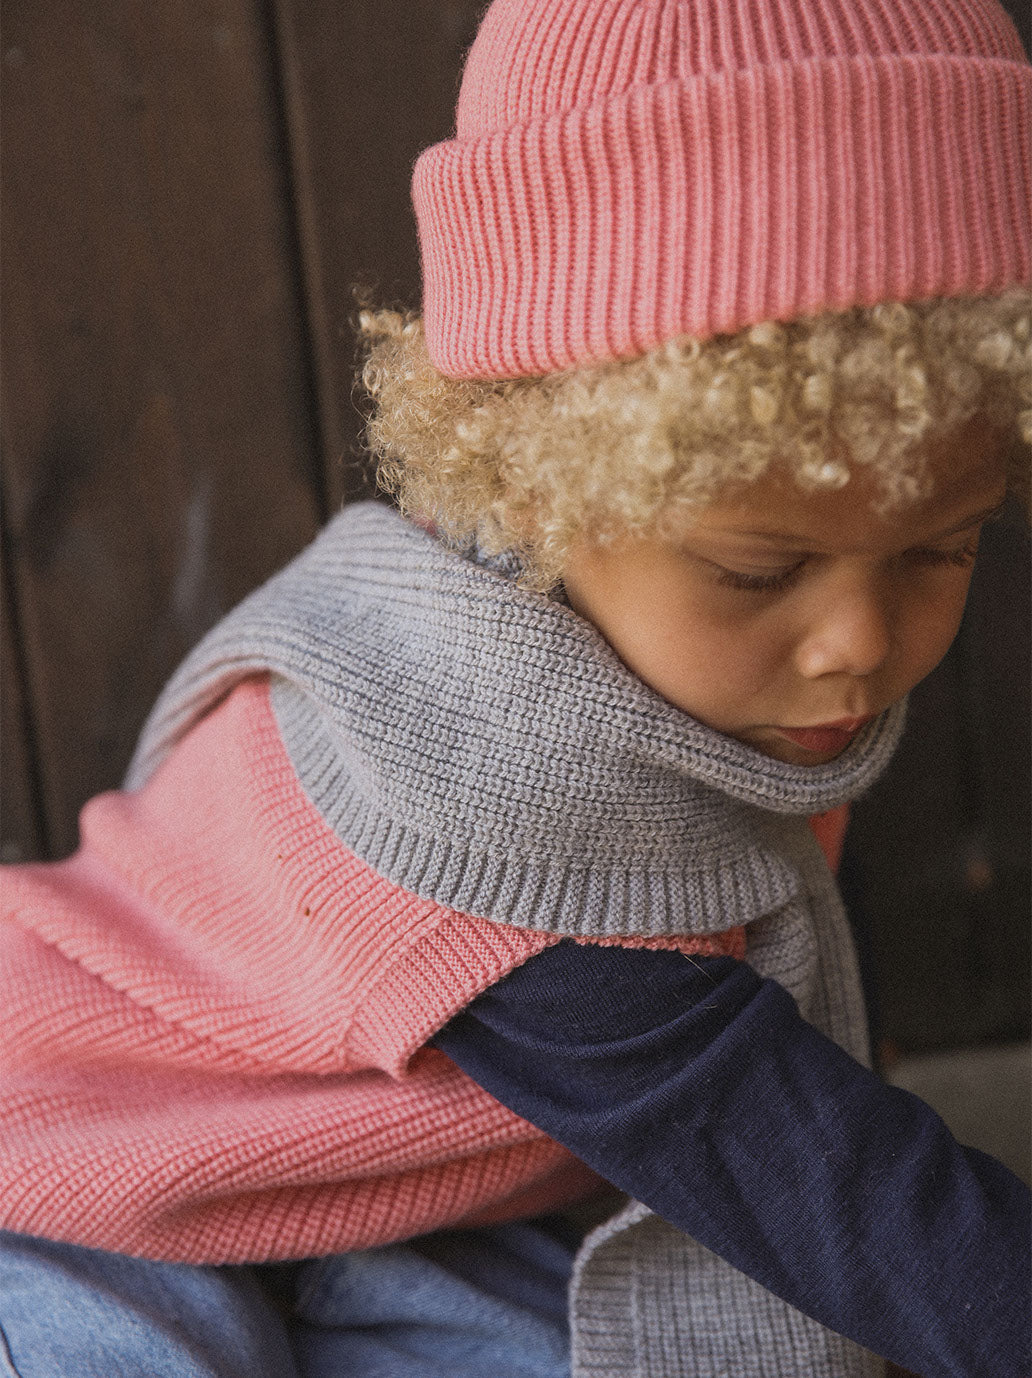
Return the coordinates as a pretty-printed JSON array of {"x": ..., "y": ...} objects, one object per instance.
[
  {"x": 986, "y": 514},
  {"x": 792, "y": 538}
]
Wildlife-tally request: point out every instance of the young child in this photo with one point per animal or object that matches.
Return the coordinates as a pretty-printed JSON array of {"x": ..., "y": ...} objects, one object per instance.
[{"x": 480, "y": 863}]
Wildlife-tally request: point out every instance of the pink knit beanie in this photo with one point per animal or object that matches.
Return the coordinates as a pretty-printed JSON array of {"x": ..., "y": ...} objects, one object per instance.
[{"x": 625, "y": 171}]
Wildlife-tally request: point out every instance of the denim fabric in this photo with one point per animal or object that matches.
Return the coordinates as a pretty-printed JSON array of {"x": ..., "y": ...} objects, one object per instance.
[
  {"x": 67, "y": 1312},
  {"x": 459, "y": 1304}
]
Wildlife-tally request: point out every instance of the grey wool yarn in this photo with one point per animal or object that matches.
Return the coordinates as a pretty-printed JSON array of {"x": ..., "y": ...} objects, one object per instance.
[{"x": 482, "y": 746}]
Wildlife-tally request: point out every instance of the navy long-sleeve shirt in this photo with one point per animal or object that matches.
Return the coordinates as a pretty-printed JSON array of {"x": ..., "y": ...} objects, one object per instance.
[{"x": 698, "y": 1088}]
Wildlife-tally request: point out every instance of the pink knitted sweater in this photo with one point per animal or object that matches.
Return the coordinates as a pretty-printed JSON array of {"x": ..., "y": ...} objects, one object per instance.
[{"x": 215, "y": 1018}]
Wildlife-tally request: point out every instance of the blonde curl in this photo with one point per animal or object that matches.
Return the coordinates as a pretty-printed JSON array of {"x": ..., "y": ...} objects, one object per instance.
[{"x": 632, "y": 446}]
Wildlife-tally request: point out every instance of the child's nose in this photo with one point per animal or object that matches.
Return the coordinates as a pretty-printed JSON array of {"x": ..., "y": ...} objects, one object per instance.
[{"x": 849, "y": 633}]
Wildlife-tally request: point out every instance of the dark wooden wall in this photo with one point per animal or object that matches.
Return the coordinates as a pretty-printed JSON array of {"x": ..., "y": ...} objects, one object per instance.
[{"x": 191, "y": 192}]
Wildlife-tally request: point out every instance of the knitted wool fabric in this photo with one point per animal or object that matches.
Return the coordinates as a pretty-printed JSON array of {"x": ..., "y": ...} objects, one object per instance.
[
  {"x": 214, "y": 1019},
  {"x": 625, "y": 171},
  {"x": 257, "y": 940},
  {"x": 484, "y": 747}
]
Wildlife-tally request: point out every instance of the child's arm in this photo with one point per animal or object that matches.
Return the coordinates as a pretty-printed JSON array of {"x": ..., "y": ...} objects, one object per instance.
[{"x": 699, "y": 1089}]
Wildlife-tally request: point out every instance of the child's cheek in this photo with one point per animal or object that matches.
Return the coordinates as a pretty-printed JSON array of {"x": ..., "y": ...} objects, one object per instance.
[{"x": 928, "y": 628}]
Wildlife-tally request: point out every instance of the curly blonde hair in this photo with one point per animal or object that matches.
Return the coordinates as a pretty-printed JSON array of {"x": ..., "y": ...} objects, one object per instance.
[{"x": 632, "y": 446}]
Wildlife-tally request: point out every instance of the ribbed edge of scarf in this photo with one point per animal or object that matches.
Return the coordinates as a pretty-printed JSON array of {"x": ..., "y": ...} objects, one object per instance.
[{"x": 690, "y": 1312}]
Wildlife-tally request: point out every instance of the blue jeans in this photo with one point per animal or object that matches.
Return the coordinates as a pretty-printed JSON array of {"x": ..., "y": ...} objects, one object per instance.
[{"x": 485, "y": 1303}]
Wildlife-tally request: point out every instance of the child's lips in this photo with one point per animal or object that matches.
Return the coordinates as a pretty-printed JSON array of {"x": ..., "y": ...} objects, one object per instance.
[{"x": 825, "y": 737}]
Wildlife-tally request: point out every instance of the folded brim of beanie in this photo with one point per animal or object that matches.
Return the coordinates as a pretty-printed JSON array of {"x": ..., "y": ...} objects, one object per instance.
[{"x": 705, "y": 206}]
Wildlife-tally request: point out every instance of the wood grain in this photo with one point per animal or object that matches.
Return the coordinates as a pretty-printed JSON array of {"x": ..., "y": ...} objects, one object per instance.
[
  {"x": 21, "y": 814},
  {"x": 366, "y": 88},
  {"x": 161, "y": 458}
]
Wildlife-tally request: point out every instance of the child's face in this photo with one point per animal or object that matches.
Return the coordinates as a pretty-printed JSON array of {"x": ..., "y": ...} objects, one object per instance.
[{"x": 783, "y": 617}]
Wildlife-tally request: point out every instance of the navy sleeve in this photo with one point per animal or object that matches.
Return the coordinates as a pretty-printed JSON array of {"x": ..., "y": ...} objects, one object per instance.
[{"x": 698, "y": 1088}]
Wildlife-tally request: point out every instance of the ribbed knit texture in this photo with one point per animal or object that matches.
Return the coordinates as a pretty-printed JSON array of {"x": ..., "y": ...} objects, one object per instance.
[
  {"x": 649, "y": 1300},
  {"x": 217, "y": 1012},
  {"x": 728, "y": 1326},
  {"x": 483, "y": 747},
  {"x": 209, "y": 1017},
  {"x": 625, "y": 171},
  {"x": 469, "y": 739}
]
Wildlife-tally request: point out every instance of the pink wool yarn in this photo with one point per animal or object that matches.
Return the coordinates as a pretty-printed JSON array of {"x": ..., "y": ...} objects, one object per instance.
[
  {"x": 193, "y": 1070},
  {"x": 625, "y": 171}
]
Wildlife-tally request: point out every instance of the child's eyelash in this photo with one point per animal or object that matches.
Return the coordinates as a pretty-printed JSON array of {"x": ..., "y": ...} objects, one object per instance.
[
  {"x": 758, "y": 583},
  {"x": 780, "y": 579},
  {"x": 962, "y": 558}
]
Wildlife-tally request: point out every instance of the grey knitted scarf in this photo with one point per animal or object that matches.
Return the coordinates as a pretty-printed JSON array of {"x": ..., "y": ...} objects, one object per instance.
[{"x": 482, "y": 746}]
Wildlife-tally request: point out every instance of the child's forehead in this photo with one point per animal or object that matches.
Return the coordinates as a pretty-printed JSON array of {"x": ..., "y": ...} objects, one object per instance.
[{"x": 966, "y": 477}]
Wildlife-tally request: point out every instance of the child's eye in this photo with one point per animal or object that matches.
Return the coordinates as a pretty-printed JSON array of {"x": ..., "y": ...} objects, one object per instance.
[
  {"x": 961, "y": 558},
  {"x": 778, "y": 579},
  {"x": 758, "y": 583}
]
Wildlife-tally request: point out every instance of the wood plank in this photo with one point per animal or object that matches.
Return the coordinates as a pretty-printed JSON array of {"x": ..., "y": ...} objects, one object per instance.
[
  {"x": 366, "y": 89},
  {"x": 161, "y": 454},
  {"x": 21, "y": 834}
]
